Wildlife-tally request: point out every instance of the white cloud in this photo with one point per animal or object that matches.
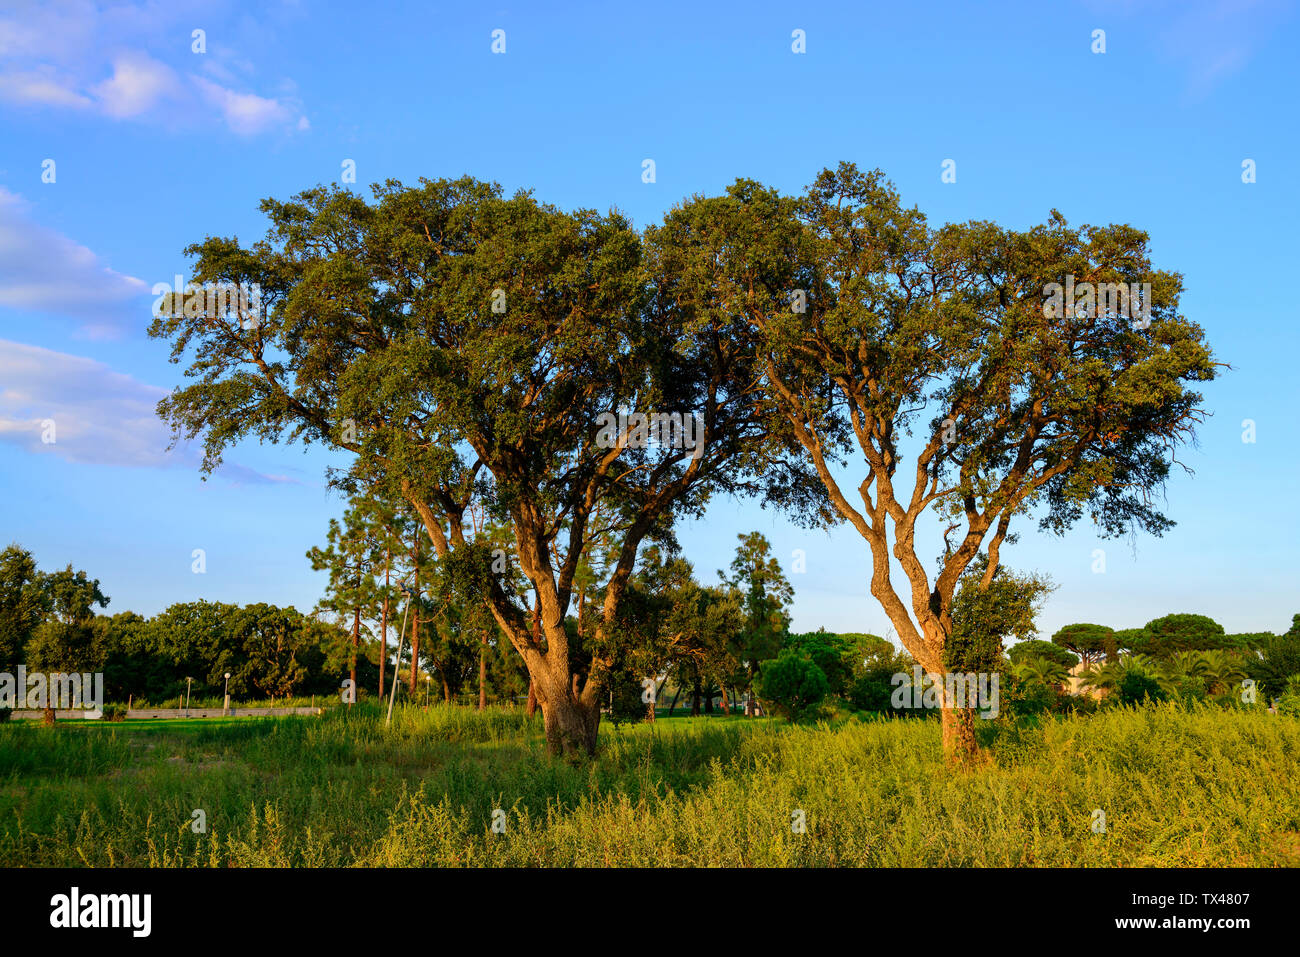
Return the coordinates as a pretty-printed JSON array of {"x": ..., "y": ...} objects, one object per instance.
[
  {"x": 73, "y": 54},
  {"x": 94, "y": 415},
  {"x": 42, "y": 88},
  {"x": 43, "y": 270},
  {"x": 138, "y": 84},
  {"x": 244, "y": 113},
  {"x": 99, "y": 416}
]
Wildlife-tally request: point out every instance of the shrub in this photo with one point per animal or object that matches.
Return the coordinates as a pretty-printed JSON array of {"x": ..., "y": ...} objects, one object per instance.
[
  {"x": 832, "y": 653},
  {"x": 1027, "y": 697},
  {"x": 1289, "y": 702},
  {"x": 792, "y": 684},
  {"x": 872, "y": 690},
  {"x": 1079, "y": 704},
  {"x": 1138, "y": 688}
]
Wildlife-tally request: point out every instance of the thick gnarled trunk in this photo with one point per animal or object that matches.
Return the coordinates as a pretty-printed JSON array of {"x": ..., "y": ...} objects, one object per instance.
[{"x": 572, "y": 726}]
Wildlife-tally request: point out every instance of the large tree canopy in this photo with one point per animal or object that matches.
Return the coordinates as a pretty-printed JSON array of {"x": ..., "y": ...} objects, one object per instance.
[
  {"x": 883, "y": 338},
  {"x": 467, "y": 348}
]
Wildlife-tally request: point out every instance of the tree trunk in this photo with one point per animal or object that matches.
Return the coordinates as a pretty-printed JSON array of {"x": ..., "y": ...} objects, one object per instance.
[
  {"x": 532, "y": 685},
  {"x": 446, "y": 688},
  {"x": 413, "y": 670},
  {"x": 482, "y": 673},
  {"x": 676, "y": 694},
  {"x": 383, "y": 628},
  {"x": 415, "y": 622},
  {"x": 654, "y": 703},
  {"x": 695, "y": 700},
  {"x": 356, "y": 643},
  {"x": 571, "y": 725},
  {"x": 49, "y": 715},
  {"x": 959, "y": 744},
  {"x": 726, "y": 704},
  {"x": 582, "y": 600}
]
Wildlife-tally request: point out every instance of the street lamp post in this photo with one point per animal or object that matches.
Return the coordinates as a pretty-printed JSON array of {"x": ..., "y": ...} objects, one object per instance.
[
  {"x": 225, "y": 708},
  {"x": 427, "y": 680}
]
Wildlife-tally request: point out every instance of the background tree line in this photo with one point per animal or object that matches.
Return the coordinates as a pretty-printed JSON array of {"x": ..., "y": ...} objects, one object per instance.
[{"x": 678, "y": 641}]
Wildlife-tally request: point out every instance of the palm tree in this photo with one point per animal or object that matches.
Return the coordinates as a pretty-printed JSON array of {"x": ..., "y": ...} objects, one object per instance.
[
  {"x": 1106, "y": 677},
  {"x": 1044, "y": 671},
  {"x": 1221, "y": 670},
  {"x": 1171, "y": 673}
]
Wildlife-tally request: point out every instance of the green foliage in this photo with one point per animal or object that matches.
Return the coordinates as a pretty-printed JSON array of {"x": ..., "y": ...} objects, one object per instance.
[
  {"x": 1288, "y": 703},
  {"x": 625, "y": 698},
  {"x": 1045, "y": 671},
  {"x": 72, "y": 595},
  {"x": 764, "y": 593},
  {"x": 47, "y": 619},
  {"x": 989, "y": 609},
  {"x": 465, "y": 348},
  {"x": 940, "y": 336},
  {"x": 1137, "y": 687},
  {"x": 59, "y": 646},
  {"x": 1023, "y": 651},
  {"x": 1092, "y": 643},
  {"x": 792, "y": 684},
  {"x": 22, "y": 604},
  {"x": 1166, "y": 636},
  {"x": 114, "y": 712},
  {"x": 873, "y": 685},
  {"x": 838, "y": 657},
  {"x": 1276, "y": 660},
  {"x": 267, "y": 650},
  {"x": 1025, "y": 692}
]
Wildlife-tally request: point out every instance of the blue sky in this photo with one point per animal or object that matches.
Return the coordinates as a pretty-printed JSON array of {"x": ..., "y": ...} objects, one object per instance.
[{"x": 155, "y": 146}]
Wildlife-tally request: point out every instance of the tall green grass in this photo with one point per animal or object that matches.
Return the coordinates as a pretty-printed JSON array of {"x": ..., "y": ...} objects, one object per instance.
[{"x": 1201, "y": 787}]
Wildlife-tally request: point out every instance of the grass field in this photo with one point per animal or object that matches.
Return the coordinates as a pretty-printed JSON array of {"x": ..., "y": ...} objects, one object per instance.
[{"x": 1201, "y": 787}]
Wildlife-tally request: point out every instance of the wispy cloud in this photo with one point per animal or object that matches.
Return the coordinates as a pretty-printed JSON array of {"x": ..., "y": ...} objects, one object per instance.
[
  {"x": 77, "y": 408},
  {"x": 246, "y": 113},
  {"x": 1212, "y": 39},
  {"x": 72, "y": 55},
  {"x": 43, "y": 270},
  {"x": 42, "y": 87}
]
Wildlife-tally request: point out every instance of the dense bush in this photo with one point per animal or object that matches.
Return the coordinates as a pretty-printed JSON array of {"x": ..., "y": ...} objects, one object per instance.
[
  {"x": 792, "y": 684},
  {"x": 1024, "y": 696},
  {"x": 1136, "y": 688},
  {"x": 114, "y": 712}
]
